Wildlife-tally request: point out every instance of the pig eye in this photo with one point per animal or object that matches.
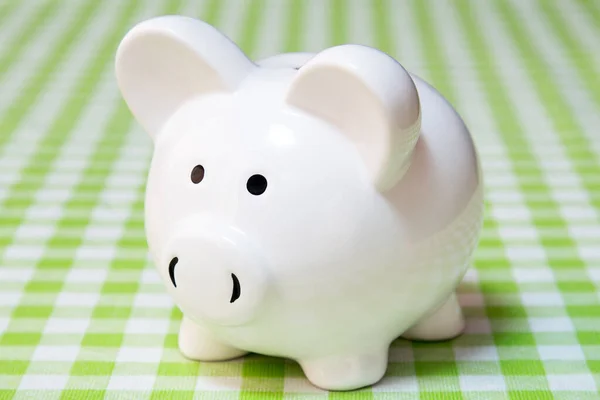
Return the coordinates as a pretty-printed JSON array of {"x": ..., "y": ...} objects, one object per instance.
[
  {"x": 197, "y": 174},
  {"x": 257, "y": 184}
]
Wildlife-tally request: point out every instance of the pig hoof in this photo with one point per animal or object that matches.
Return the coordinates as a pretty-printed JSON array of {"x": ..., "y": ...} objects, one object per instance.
[
  {"x": 346, "y": 372},
  {"x": 197, "y": 344},
  {"x": 444, "y": 324}
]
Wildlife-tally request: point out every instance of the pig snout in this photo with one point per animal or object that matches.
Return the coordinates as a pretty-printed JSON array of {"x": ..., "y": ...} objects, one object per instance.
[
  {"x": 236, "y": 290},
  {"x": 216, "y": 274}
]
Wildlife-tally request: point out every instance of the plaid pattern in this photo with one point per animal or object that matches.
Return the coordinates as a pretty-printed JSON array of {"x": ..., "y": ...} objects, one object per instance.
[{"x": 83, "y": 314}]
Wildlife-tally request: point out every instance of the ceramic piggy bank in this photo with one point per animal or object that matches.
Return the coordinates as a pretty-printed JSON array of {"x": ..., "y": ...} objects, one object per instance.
[{"x": 308, "y": 206}]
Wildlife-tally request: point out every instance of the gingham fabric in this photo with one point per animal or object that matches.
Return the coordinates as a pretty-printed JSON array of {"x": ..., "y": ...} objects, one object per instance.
[{"x": 83, "y": 314}]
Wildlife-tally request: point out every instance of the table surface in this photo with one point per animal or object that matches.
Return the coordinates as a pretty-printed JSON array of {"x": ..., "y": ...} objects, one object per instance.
[{"x": 83, "y": 314}]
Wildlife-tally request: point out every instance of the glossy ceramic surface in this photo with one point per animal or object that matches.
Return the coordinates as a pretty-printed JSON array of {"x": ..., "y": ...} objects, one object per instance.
[{"x": 309, "y": 206}]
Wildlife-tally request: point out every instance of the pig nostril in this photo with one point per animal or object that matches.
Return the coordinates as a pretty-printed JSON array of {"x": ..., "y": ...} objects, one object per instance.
[
  {"x": 236, "y": 289},
  {"x": 172, "y": 265}
]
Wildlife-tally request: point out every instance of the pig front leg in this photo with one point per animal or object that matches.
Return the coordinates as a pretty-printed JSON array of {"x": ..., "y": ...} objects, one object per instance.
[
  {"x": 445, "y": 323},
  {"x": 347, "y": 372},
  {"x": 196, "y": 343}
]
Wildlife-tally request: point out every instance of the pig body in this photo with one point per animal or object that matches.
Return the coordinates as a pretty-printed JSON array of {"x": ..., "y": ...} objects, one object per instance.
[{"x": 308, "y": 206}]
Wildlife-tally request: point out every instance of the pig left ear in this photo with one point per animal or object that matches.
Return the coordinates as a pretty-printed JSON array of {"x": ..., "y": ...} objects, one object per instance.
[
  {"x": 371, "y": 98},
  {"x": 165, "y": 61}
]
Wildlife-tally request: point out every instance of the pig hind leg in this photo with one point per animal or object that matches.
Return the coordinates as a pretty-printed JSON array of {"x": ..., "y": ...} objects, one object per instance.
[
  {"x": 197, "y": 344},
  {"x": 447, "y": 322}
]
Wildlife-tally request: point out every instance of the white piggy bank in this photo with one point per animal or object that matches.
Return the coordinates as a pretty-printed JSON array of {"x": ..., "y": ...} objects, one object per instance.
[{"x": 308, "y": 206}]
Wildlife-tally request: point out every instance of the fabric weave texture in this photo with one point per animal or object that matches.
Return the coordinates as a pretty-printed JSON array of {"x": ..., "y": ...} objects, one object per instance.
[{"x": 83, "y": 314}]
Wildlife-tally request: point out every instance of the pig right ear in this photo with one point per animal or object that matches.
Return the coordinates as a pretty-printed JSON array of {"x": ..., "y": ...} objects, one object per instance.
[
  {"x": 371, "y": 98},
  {"x": 165, "y": 61}
]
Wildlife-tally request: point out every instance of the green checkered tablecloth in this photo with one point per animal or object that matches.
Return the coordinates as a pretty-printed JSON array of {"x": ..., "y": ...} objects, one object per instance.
[{"x": 83, "y": 314}]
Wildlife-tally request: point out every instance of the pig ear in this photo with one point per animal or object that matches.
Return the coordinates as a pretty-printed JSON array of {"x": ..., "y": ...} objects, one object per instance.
[
  {"x": 371, "y": 98},
  {"x": 165, "y": 61}
]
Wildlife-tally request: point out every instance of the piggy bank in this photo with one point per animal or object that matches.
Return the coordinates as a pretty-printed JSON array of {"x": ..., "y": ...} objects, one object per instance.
[{"x": 308, "y": 206}]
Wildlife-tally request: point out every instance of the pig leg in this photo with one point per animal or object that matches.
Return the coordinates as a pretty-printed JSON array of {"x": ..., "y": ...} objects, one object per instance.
[
  {"x": 346, "y": 372},
  {"x": 447, "y": 322},
  {"x": 197, "y": 344}
]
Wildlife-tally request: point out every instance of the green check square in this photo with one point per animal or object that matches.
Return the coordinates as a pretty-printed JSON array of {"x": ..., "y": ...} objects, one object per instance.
[
  {"x": 263, "y": 367},
  {"x": 19, "y": 339},
  {"x": 172, "y": 394},
  {"x": 514, "y": 339},
  {"x": 102, "y": 339},
  {"x": 76, "y": 394},
  {"x": 522, "y": 367},
  {"x": 32, "y": 311},
  {"x": 92, "y": 368},
  {"x": 7, "y": 394},
  {"x": 178, "y": 369},
  {"x": 13, "y": 367}
]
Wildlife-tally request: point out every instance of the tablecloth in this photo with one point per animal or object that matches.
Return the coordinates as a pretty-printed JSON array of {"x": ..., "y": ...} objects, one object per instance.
[{"x": 83, "y": 314}]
